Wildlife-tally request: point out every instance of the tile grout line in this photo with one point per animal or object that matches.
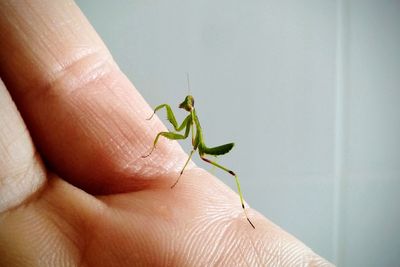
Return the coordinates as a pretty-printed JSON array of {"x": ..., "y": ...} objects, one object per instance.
[{"x": 342, "y": 20}]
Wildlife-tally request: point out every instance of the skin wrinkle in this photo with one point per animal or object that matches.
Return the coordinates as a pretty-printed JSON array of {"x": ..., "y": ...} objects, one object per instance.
[
  {"x": 295, "y": 257},
  {"x": 255, "y": 251},
  {"x": 118, "y": 215},
  {"x": 53, "y": 208},
  {"x": 136, "y": 238},
  {"x": 18, "y": 172},
  {"x": 228, "y": 252},
  {"x": 46, "y": 44},
  {"x": 21, "y": 171},
  {"x": 16, "y": 138},
  {"x": 35, "y": 194},
  {"x": 120, "y": 139},
  {"x": 31, "y": 221},
  {"x": 226, "y": 210},
  {"x": 242, "y": 256},
  {"x": 265, "y": 253},
  {"x": 292, "y": 257},
  {"x": 171, "y": 254},
  {"x": 10, "y": 135},
  {"x": 51, "y": 215},
  {"x": 90, "y": 123},
  {"x": 260, "y": 252},
  {"x": 203, "y": 229},
  {"x": 107, "y": 127},
  {"x": 122, "y": 125},
  {"x": 168, "y": 243},
  {"x": 93, "y": 124},
  {"x": 206, "y": 239},
  {"x": 63, "y": 64},
  {"x": 41, "y": 33},
  {"x": 24, "y": 42},
  {"x": 104, "y": 127},
  {"x": 22, "y": 178},
  {"x": 113, "y": 143},
  {"x": 247, "y": 256},
  {"x": 276, "y": 250},
  {"x": 61, "y": 86},
  {"x": 77, "y": 73},
  {"x": 215, "y": 254}
]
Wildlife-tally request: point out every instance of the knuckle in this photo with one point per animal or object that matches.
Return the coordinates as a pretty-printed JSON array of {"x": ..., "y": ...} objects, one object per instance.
[{"x": 76, "y": 72}]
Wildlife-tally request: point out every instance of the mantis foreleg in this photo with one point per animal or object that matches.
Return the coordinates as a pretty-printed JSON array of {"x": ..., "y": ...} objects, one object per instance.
[
  {"x": 171, "y": 117},
  {"x": 171, "y": 135}
]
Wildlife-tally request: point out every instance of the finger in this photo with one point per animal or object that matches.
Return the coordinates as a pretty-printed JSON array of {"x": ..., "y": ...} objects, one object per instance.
[
  {"x": 195, "y": 224},
  {"x": 86, "y": 118},
  {"x": 21, "y": 171}
]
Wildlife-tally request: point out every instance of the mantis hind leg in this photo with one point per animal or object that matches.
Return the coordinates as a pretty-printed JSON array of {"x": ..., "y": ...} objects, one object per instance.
[
  {"x": 237, "y": 184},
  {"x": 213, "y": 168}
]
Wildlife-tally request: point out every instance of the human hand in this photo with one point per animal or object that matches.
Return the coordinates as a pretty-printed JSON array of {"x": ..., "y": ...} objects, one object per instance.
[{"x": 74, "y": 189}]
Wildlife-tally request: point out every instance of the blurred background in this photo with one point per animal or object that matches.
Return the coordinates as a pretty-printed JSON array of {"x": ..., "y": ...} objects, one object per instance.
[{"x": 308, "y": 90}]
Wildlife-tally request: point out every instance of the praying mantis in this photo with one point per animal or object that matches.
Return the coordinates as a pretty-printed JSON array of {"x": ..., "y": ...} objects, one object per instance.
[{"x": 188, "y": 124}]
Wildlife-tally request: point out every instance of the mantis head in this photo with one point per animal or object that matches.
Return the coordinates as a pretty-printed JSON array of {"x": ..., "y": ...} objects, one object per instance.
[{"x": 188, "y": 103}]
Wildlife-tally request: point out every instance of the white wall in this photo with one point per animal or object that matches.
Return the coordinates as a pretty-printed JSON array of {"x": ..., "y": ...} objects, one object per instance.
[
  {"x": 369, "y": 225},
  {"x": 308, "y": 90}
]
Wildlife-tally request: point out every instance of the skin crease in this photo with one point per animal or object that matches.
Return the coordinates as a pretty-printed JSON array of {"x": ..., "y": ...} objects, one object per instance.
[{"x": 74, "y": 189}]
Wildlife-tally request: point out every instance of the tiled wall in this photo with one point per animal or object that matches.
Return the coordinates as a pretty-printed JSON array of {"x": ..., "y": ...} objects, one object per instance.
[
  {"x": 369, "y": 223},
  {"x": 308, "y": 90}
]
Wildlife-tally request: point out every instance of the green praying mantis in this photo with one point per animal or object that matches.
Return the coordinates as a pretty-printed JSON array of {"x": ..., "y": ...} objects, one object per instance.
[{"x": 188, "y": 124}]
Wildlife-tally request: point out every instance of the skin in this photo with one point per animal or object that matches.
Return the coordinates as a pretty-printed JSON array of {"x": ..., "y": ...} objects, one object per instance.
[{"x": 74, "y": 189}]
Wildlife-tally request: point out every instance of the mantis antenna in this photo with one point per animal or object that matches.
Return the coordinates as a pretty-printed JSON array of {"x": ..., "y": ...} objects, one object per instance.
[{"x": 188, "y": 83}]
